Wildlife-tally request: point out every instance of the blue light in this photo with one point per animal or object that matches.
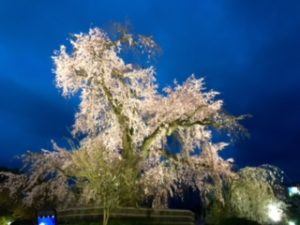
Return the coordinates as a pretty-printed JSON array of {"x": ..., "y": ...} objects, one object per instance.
[{"x": 47, "y": 220}]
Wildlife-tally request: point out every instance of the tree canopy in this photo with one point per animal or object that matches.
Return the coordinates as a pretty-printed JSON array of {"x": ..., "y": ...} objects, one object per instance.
[
  {"x": 124, "y": 122},
  {"x": 122, "y": 107}
]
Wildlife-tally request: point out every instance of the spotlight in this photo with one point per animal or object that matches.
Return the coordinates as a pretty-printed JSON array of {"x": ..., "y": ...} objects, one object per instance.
[
  {"x": 274, "y": 212},
  {"x": 293, "y": 191}
]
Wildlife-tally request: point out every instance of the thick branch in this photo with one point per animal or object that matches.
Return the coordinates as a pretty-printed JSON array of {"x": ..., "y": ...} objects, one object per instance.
[
  {"x": 123, "y": 122},
  {"x": 169, "y": 128},
  {"x": 122, "y": 119}
]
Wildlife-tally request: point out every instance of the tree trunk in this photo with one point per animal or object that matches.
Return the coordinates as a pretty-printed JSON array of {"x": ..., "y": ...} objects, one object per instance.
[{"x": 105, "y": 216}]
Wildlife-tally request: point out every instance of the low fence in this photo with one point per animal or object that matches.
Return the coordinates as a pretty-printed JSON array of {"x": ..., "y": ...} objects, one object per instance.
[{"x": 126, "y": 216}]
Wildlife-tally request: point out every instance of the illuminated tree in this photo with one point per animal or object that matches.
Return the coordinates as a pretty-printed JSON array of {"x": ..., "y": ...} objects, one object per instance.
[
  {"x": 253, "y": 195},
  {"x": 122, "y": 108},
  {"x": 102, "y": 178}
]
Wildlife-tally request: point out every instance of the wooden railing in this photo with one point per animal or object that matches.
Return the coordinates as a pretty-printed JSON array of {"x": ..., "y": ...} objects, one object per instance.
[{"x": 128, "y": 216}]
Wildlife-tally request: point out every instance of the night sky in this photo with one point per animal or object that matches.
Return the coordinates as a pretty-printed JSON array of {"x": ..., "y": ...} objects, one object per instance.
[{"x": 248, "y": 50}]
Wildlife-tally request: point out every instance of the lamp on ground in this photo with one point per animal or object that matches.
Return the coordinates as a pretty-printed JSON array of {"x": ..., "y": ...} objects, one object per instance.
[{"x": 47, "y": 217}]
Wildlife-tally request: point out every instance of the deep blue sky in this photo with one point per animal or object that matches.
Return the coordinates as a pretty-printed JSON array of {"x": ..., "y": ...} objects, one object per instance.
[{"x": 248, "y": 50}]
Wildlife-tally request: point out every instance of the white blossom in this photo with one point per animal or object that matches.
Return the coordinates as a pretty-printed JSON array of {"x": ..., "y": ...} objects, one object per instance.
[{"x": 122, "y": 108}]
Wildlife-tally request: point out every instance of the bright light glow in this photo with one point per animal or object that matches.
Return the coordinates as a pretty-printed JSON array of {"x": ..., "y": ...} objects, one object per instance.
[
  {"x": 291, "y": 223},
  {"x": 46, "y": 220},
  {"x": 293, "y": 191},
  {"x": 9, "y": 222},
  {"x": 275, "y": 212}
]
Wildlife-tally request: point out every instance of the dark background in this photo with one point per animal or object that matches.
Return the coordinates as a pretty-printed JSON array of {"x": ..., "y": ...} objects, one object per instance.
[{"x": 248, "y": 50}]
